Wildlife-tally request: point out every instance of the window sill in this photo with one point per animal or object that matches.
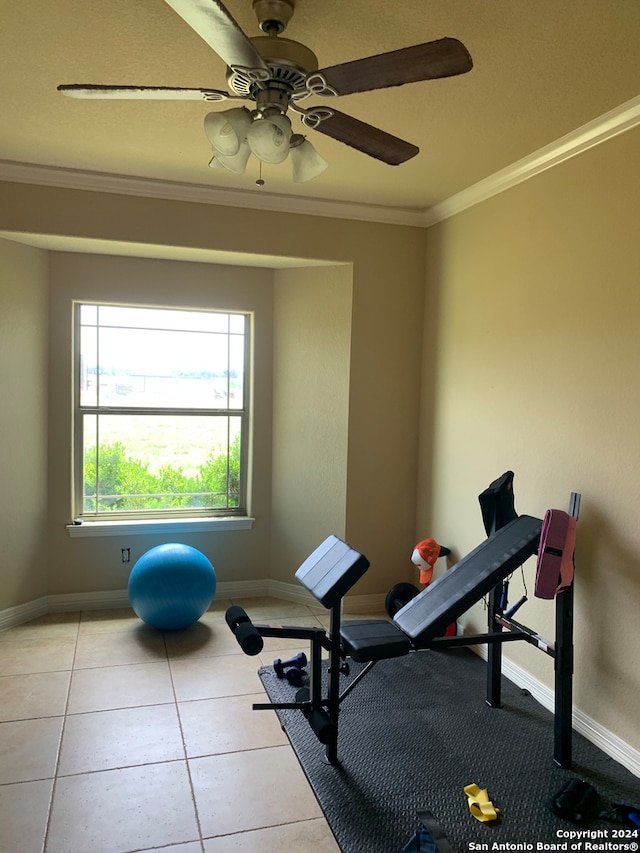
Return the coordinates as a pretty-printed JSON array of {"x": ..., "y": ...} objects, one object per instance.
[{"x": 175, "y": 525}]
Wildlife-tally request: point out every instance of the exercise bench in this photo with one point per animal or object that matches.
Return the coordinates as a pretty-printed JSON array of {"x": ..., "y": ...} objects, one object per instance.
[{"x": 335, "y": 567}]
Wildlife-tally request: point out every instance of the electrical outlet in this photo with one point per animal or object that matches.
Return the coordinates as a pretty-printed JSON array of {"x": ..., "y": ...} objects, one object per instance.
[{"x": 126, "y": 555}]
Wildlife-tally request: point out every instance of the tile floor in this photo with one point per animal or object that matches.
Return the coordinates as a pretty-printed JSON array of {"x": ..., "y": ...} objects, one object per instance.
[{"x": 115, "y": 737}]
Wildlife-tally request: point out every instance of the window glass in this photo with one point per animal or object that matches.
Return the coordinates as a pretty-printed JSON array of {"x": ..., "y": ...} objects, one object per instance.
[{"x": 161, "y": 411}]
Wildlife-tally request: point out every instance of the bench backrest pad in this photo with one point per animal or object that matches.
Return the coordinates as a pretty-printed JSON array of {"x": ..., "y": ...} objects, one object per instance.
[{"x": 427, "y": 615}]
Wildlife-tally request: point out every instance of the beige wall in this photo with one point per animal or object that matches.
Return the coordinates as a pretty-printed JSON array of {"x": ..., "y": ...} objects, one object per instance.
[
  {"x": 535, "y": 369},
  {"x": 312, "y": 336},
  {"x": 235, "y": 555},
  {"x": 382, "y": 307},
  {"x": 23, "y": 424}
]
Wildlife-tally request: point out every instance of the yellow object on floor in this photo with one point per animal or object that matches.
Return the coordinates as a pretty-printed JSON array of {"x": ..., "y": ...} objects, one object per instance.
[{"x": 480, "y": 805}]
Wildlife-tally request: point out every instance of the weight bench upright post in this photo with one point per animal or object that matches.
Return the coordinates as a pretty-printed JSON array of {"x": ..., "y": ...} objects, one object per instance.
[
  {"x": 497, "y": 505},
  {"x": 494, "y": 651},
  {"x": 333, "y": 682},
  {"x": 563, "y": 654},
  {"x": 563, "y": 665}
]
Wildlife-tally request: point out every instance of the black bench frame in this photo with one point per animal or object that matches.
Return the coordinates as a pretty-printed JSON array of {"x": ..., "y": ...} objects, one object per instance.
[{"x": 322, "y": 711}]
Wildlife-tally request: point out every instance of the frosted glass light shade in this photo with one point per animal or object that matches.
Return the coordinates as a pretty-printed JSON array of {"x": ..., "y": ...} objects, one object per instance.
[
  {"x": 234, "y": 162},
  {"x": 269, "y": 138},
  {"x": 306, "y": 162},
  {"x": 227, "y": 130}
]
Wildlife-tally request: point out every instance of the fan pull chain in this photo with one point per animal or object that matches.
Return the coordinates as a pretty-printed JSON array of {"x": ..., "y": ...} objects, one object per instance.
[{"x": 260, "y": 182}]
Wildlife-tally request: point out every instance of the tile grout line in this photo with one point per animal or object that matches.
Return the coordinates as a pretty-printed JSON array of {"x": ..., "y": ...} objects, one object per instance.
[
  {"x": 45, "y": 839},
  {"x": 184, "y": 743}
]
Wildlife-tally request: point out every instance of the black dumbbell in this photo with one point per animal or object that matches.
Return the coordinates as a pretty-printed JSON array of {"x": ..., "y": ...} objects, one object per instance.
[{"x": 291, "y": 669}]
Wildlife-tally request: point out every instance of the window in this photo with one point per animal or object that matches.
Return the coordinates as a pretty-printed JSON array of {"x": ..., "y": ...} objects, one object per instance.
[{"x": 160, "y": 412}]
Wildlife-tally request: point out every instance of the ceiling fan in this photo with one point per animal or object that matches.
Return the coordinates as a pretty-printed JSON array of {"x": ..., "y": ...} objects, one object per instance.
[{"x": 276, "y": 74}]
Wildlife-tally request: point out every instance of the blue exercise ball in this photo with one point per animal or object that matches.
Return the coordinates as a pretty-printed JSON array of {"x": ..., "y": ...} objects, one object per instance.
[{"x": 171, "y": 586}]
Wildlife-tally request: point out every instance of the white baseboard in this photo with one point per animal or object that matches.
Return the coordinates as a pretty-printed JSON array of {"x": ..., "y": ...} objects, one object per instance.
[
  {"x": 120, "y": 598},
  {"x": 352, "y": 604},
  {"x": 243, "y": 589},
  {"x": 291, "y": 592},
  {"x": 73, "y": 602},
  {"x": 373, "y": 604},
  {"x": 12, "y": 616},
  {"x": 112, "y": 599}
]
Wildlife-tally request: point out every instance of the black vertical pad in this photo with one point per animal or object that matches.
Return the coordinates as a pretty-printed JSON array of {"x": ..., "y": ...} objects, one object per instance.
[
  {"x": 497, "y": 503},
  {"x": 331, "y": 570}
]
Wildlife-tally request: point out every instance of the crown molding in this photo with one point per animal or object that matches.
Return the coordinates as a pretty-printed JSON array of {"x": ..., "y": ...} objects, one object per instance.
[
  {"x": 605, "y": 127},
  {"x": 76, "y": 179}
]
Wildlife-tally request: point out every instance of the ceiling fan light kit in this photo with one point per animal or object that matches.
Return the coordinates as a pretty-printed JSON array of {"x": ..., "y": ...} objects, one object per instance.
[
  {"x": 227, "y": 129},
  {"x": 305, "y": 160},
  {"x": 236, "y": 163},
  {"x": 268, "y": 138},
  {"x": 276, "y": 73},
  {"x": 237, "y": 133}
]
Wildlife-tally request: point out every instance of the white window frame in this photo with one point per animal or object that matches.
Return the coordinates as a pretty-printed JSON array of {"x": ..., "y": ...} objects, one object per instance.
[{"x": 169, "y": 520}]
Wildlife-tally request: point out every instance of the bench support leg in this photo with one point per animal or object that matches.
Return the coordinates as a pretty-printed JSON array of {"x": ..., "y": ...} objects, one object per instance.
[
  {"x": 563, "y": 678},
  {"x": 494, "y": 651},
  {"x": 563, "y": 731},
  {"x": 333, "y": 685}
]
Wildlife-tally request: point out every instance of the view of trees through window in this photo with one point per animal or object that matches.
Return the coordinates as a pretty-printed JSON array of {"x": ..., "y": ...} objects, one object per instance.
[{"x": 160, "y": 423}]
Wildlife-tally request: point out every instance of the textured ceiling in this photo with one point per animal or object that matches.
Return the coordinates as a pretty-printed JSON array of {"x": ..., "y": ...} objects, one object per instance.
[{"x": 541, "y": 69}]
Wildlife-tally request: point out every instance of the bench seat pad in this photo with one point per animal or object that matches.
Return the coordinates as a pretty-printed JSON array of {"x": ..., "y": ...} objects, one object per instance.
[{"x": 373, "y": 639}]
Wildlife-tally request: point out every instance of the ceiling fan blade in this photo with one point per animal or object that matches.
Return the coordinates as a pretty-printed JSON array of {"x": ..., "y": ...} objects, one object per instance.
[
  {"x": 442, "y": 58},
  {"x": 360, "y": 135},
  {"x": 165, "y": 93},
  {"x": 213, "y": 23}
]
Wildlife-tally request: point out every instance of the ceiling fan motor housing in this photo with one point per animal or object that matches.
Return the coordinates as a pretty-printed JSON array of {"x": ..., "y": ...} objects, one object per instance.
[
  {"x": 273, "y": 15},
  {"x": 289, "y": 64}
]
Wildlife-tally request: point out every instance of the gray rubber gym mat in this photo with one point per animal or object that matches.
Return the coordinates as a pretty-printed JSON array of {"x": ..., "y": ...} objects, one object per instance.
[{"x": 416, "y": 730}]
